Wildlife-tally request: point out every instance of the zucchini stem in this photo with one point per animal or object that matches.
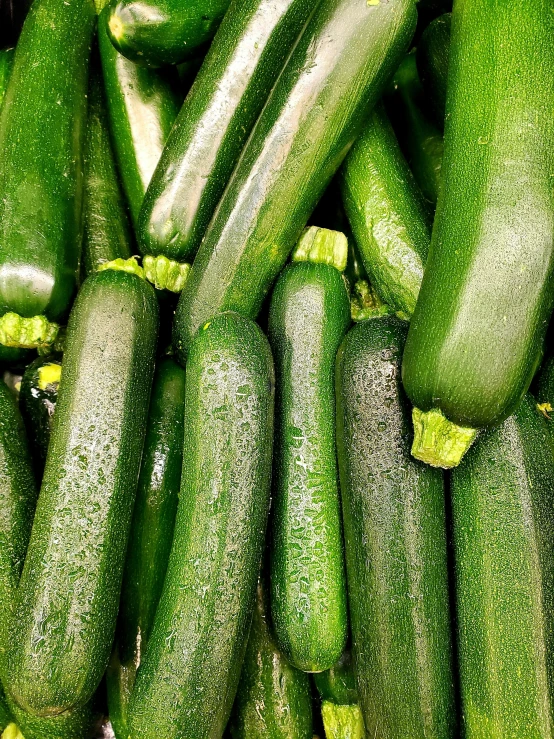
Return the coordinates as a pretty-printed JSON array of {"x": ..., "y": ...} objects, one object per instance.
[
  {"x": 12, "y": 732},
  {"x": 342, "y": 722},
  {"x": 321, "y": 245},
  {"x": 27, "y": 333},
  {"x": 438, "y": 441},
  {"x": 124, "y": 265},
  {"x": 166, "y": 274}
]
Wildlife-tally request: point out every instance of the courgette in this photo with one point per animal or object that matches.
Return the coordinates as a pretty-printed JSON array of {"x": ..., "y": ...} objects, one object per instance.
[
  {"x": 188, "y": 678},
  {"x": 333, "y": 77},
  {"x": 433, "y": 54},
  {"x": 6, "y": 61},
  {"x": 75, "y": 724}
]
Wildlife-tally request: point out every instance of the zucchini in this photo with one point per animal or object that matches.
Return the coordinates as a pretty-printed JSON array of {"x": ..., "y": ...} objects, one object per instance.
[
  {"x": 234, "y": 82},
  {"x": 339, "y": 65},
  {"x": 74, "y": 724},
  {"x": 273, "y": 699},
  {"x": 503, "y": 525},
  {"x": 387, "y": 213},
  {"x": 142, "y": 107},
  {"x": 433, "y": 54},
  {"x": 342, "y": 716},
  {"x": 476, "y": 337},
  {"x": 160, "y": 32},
  {"x": 308, "y": 318},
  {"x": 395, "y": 543},
  {"x": 188, "y": 678},
  {"x": 41, "y": 173},
  {"x": 6, "y": 62},
  {"x": 67, "y": 601},
  {"x": 151, "y": 535}
]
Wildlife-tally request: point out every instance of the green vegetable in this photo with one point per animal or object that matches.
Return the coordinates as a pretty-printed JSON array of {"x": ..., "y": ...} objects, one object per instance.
[
  {"x": 334, "y": 75},
  {"x": 476, "y": 337},
  {"x": 6, "y": 62},
  {"x": 74, "y": 724},
  {"x": 189, "y": 675},
  {"x": 433, "y": 54},
  {"x": 67, "y": 602},
  {"x": 395, "y": 542}
]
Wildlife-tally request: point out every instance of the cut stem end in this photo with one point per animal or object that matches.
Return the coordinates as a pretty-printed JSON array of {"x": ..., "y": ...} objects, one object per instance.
[{"x": 439, "y": 442}]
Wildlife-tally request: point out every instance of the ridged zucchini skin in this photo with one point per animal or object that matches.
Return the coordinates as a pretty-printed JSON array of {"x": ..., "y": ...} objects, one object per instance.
[
  {"x": 387, "y": 213},
  {"x": 395, "y": 542},
  {"x": 151, "y": 535},
  {"x": 476, "y": 336},
  {"x": 503, "y": 525},
  {"x": 187, "y": 681},
  {"x": 334, "y": 75},
  {"x": 142, "y": 107},
  {"x": 41, "y": 178},
  {"x": 156, "y": 33},
  {"x": 67, "y": 601},
  {"x": 274, "y": 699},
  {"x": 245, "y": 58},
  {"x": 308, "y": 318},
  {"x": 6, "y": 62},
  {"x": 433, "y": 54}
]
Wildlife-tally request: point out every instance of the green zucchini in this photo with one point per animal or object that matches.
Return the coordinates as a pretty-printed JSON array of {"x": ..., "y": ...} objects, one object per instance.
[
  {"x": 387, "y": 213},
  {"x": 6, "y": 62},
  {"x": 503, "y": 524},
  {"x": 476, "y": 337},
  {"x": 151, "y": 536},
  {"x": 41, "y": 173},
  {"x": 245, "y": 58},
  {"x": 308, "y": 318},
  {"x": 342, "y": 715},
  {"x": 334, "y": 75},
  {"x": 188, "y": 678},
  {"x": 274, "y": 699},
  {"x": 395, "y": 543},
  {"x": 160, "y": 32},
  {"x": 67, "y": 601},
  {"x": 142, "y": 107},
  {"x": 433, "y": 54},
  {"x": 74, "y": 724}
]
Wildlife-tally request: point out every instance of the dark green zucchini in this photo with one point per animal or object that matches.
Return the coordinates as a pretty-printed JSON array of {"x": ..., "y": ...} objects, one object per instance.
[
  {"x": 188, "y": 678},
  {"x": 503, "y": 524},
  {"x": 395, "y": 542},
  {"x": 274, "y": 699},
  {"x": 67, "y": 601},
  {"x": 334, "y": 75},
  {"x": 6, "y": 62},
  {"x": 142, "y": 107},
  {"x": 387, "y": 213},
  {"x": 477, "y": 334},
  {"x": 433, "y": 54},
  {"x": 236, "y": 77},
  {"x": 151, "y": 536}
]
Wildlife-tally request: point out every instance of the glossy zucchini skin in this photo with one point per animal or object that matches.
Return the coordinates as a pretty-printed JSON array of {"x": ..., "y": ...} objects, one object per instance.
[
  {"x": 40, "y": 174},
  {"x": 6, "y": 62},
  {"x": 308, "y": 318},
  {"x": 151, "y": 535},
  {"x": 67, "y": 601},
  {"x": 234, "y": 82},
  {"x": 187, "y": 681},
  {"x": 156, "y": 33},
  {"x": 395, "y": 542},
  {"x": 388, "y": 214},
  {"x": 433, "y": 54},
  {"x": 339, "y": 65},
  {"x": 476, "y": 336},
  {"x": 142, "y": 107},
  {"x": 504, "y": 569},
  {"x": 274, "y": 699}
]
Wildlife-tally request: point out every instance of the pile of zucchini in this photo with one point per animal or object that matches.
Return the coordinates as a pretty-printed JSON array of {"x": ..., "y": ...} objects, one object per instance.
[{"x": 276, "y": 430}]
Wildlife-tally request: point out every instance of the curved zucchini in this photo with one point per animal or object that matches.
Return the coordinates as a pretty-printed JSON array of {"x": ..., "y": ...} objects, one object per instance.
[
  {"x": 433, "y": 54},
  {"x": 67, "y": 601},
  {"x": 189, "y": 675},
  {"x": 503, "y": 525},
  {"x": 334, "y": 75},
  {"x": 236, "y": 77},
  {"x": 387, "y": 213},
  {"x": 6, "y": 62},
  {"x": 151, "y": 535},
  {"x": 476, "y": 336},
  {"x": 395, "y": 542}
]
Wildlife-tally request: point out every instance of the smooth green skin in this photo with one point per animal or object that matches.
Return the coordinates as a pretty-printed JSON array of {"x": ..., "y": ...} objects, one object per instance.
[
  {"x": 334, "y": 75},
  {"x": 503, "y": 525},
  {"x": 6, "y": 62},
  {"x": 338, "y": 685},
  {"x": 476, "y": 336},
  {"x": 142, "y": 107},
  {"x": 151, "y": 536},
  {"x": 41, "y": 179},
  {"x": 387, "y": 213},
  {"x": 187, "y": 681},
  {"x": 67, "y": 601},
  {"x": 156, "y": 33},
  {"x": 75, "y": 724},
  {"x": 395, "y": 542},
  {"x": 433, "y": 54},
  {"x": 274, "y": 699},
  {"x": 107, "y": 232},
  {"x": 308, "y": 318},
  {"x": 245, "y": 58}
]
